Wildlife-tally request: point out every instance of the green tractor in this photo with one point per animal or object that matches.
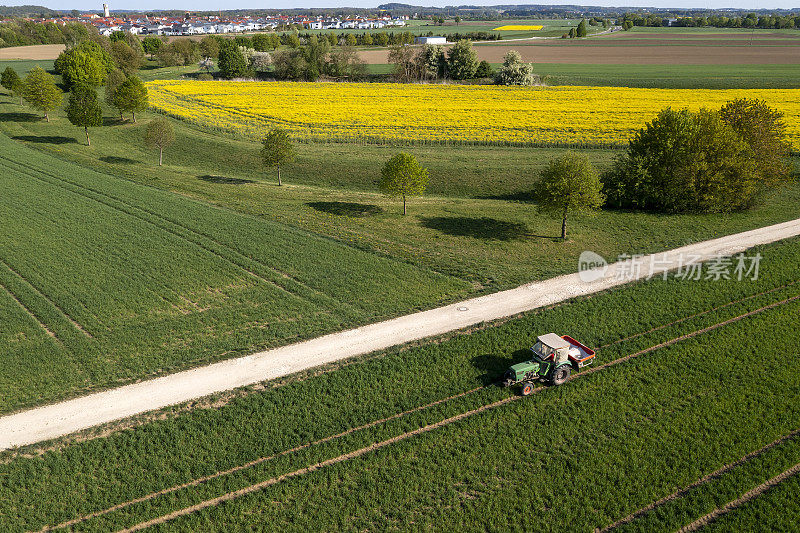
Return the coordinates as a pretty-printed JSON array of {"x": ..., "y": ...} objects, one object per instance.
[{"x": 554, "y": 359}]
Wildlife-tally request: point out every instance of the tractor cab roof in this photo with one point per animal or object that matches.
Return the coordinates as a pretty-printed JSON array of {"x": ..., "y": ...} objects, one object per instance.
[{"x": 553, "y": 341}]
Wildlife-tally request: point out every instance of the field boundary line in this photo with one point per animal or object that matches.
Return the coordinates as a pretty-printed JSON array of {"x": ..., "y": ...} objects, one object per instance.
[
  {"x": 366, "y": 449},
  {"x": 66, "y": 315},
  {"x": 702, "y": 481},
  {"x": 738, "y": 502},
  {"x": 198, "y": 235},
  {"x": 29, "y": 312}
]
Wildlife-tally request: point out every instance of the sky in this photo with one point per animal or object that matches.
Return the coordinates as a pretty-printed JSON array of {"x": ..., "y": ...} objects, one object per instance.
[{"x": 211, "y": 5}]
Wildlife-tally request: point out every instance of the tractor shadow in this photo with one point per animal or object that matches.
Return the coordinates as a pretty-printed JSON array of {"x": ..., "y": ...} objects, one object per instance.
[
  {"x": 114, "y": 160},
  {"x": 225, "y": 180},
  {"x": 346, "y": 209},
  {"x": 45, "y": 139},
  {"x": 485, "y": 228},
  {"x": 20, "y": 117},
  {"x": 494, "y": 366}
]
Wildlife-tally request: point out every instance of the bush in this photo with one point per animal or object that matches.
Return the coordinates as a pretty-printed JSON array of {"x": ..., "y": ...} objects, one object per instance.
[
  {"x": 514, "y": 71},
  {"x": 289, "y": 64},
  {"x": 687, "y": 162},
  {"x": 462, "y": 61},
  {"x": 232, "y": 63},
  {"x": 205, "y": 76},
  {"x": 179, "y": 52},
  {"x": 484, "y": 70}
]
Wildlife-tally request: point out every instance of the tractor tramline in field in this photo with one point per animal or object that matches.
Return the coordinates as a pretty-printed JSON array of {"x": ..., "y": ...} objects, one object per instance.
[{"x": 553, "y": 360}]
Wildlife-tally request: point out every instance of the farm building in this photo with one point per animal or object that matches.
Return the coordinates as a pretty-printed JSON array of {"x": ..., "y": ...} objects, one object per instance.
[{"x": 430, "y": 40}]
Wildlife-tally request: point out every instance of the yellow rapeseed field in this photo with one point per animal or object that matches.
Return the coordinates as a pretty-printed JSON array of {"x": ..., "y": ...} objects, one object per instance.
[
  {"x": 517, "y": 27},
  {"x": 443, "y": 113}
]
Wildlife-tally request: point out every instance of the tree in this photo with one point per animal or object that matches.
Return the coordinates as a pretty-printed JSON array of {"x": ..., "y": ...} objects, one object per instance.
[
  {"x": 278, "y": 150},
  {"x": 128, "y": 59},
  {"x": 261, "y": 42},
  {"x": 403, "y": 176},
  {"x": 764, "y": 130},
  {"x": 573, "y": 33},
  {"x": 274, "y": 41},
  {"x": 40, "y": 91},
  {"x": 131, "y": 96},
  {"x": 402, "y": 57},
  {"x": 685, "y": 161},
  {"x": 83, "y": 109},
  {"x": 350, "y": 40},
  {"x": 113, "y": 81},
  {"x": 152, "y": 45},
  {"x": 457, "y": 20},
  {"x": 159, "y": 134},
  {"x": 209, "y": 46},
  {"x": 514, "y": 71},
  {"x": 462, "y": 61},
  {"x": 484, "y": 70},
  {"x": 581, "y": 31},
  {"x": 179, "y": 52},
  {"x": 289, "y": 64},
  {"x": 344, "y": 61},
  {"x": 381, "y": 39},
  {"x": 431, "y": 62},
  {"x": 8, "y": 79},
  {"x": 86, "y": 64},
  {"x": 260, "y": 61},
  {"x": 232, "y": 63},
  {"x": 568, "y": 183}
]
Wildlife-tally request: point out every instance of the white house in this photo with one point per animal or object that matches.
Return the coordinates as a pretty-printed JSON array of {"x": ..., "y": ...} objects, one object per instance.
[{"x": 430, "y": 40}]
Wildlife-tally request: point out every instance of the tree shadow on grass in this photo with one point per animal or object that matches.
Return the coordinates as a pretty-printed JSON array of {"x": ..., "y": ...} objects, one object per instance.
[
  {"x": 113, "y": 121},
  {"x": 114, "y": 160},
  {"x": 225, "y": 180},
  {"x": 479, "y": 228},
  {"x": 20, "y": 117},
  {"x": 346, "y": 209},
  {"x": 519, "y": 196},
  {"x": 45, "y": 139}
]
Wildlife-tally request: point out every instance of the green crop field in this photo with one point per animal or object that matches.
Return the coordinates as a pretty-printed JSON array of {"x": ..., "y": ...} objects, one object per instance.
[
  {"x": 113, "y": 280},
  {"x": 420, "y": 437}
]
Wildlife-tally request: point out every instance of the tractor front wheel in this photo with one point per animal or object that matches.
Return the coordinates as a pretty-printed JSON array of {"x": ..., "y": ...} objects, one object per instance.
[
  {"x": 527, "y": 389},
  {"x": 560, "y": 375}
]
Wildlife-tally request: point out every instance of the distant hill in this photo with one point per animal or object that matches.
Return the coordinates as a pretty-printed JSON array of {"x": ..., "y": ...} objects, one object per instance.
[{"x": 27, "y": 11}]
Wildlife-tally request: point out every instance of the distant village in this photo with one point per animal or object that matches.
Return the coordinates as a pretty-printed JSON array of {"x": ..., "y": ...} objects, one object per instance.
[{"x": 207, "y": 25}]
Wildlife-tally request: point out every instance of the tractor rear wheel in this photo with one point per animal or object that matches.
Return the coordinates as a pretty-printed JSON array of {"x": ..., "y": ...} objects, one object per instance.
[
  {"x": 560, "y": 375},
  {"x": 527, "y": 389}
]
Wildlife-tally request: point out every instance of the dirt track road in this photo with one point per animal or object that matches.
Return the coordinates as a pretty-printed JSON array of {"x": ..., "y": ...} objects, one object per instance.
[{"x": 52, "y": 421}]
